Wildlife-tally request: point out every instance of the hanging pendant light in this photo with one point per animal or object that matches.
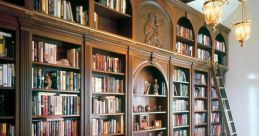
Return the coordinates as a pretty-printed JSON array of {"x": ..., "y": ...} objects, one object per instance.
[
  {"x": 213, "y": 10},
  {"x": 243, "y": 27}
]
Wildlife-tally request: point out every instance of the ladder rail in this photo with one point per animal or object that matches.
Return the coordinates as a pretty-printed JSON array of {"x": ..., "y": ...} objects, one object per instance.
[{"x": 227, "y": 118}]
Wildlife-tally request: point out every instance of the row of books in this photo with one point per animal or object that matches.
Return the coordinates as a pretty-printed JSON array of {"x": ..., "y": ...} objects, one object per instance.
[
  {"x": 180, "y": 105},
  {"x": 180, "y": 120},
  {"x": 215, "y": 117},
  {"x": 204, "y": 40},
  {"x": 118, "y": 5},
  {"x": 107, "y": 63},
  {"x": 180, "y": 133},
  {"x": 7, "y": 129},
  {"x": 219, "y": 58},
  {"x": 199, "y": 118},
  {"x": 43, "y": 78},
  {"x": 58, "y": 127},
  {"x": 184, "y": 31},
  {"x": 214, "y": 93},
  {"x": 184, "y": 49},
  {"x": 107, "y": 84},
  {"x": 203, "y": 55},
  {"x": 106, "y": 104},
  {"x": 179, "y": 75},
  {"x": 215, "y": 105},
  {"x": 199, "y": 92},
  {"x": 53, "y": 104},
  {"x": 7, "y": 75},
  {"x": 7, "y": 45},
  {"x": 48, "y": 53},
  {"x": 181, "y": 90},
  {"x": 61, "y": 9},
  {"x": 215, "y": 130},
  {"x": 200, "y": 79},
  {"x": 200, "y": 131},
  {"x": 220, "y": 46},
  {"x": 108, "y": 126},
  {"x": 199, "y": 105}
]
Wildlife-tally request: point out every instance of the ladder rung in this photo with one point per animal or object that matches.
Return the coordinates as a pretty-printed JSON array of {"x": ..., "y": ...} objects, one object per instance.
[
  {"x": 219, "y": 77},
  {"x": 231, "y": 121},
  {"x": 233, "y": 133},
  {"x": 224, "y": 99},
  {"x": 227, "y": 110},
  {"x": 221, "y": 87}
]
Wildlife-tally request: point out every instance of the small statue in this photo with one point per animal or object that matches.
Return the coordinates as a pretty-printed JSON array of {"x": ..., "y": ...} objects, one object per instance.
[
  {"x": 47, "y": 81},
  {"x": 147, "y": 87},
  {"x": 147, "y": 108},
  {"x": 156, "y": 86}
]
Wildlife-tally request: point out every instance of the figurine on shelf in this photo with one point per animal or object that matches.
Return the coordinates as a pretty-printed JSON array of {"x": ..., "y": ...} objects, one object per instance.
[
  {"x": 147, "y": 108},
  {"x": 141, "y": 108},
  {"x": 156, "y": 87},
  {"x": 47, "y": 81},
  {"x": 159, "y": 108},
  {"x": 147, "y": 87},
  {"x": 136, "y": 127}
]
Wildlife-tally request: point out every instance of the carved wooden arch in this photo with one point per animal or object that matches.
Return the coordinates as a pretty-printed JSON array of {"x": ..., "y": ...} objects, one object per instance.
[
  {"x": 185, "y": 18},
  {"x": 153, "y": 25},
  {"x": 145, "y": 64}
]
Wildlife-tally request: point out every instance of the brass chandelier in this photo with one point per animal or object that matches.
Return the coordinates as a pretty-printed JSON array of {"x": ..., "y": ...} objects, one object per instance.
[
  {"x": 243, "y": 26},
  {"x": 213, "y": 11}
]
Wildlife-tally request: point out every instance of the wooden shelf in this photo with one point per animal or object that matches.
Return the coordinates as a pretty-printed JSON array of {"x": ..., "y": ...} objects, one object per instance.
[
  {"x": 149, "y": 130},
  {"x": 219, "y": 52},
  {"x": 106, "y": 93},
  {"x": 108, "y": 114},
  {"x": 6, "y": 117},
  {"x": 204, "y": 47},
  {"x": 55, "y": 91},
  {"x": 181, "y": 97},
  {"x": 7, "y": 89},
  {"x": 202, "y": 85},
  {"x": 54, "y": 116},
  {"x": 184, "y": 39},
  {"x": 202, "y": 111},
  {"x": 107, "y": 12},
  {"x": 6, "y": 59},
  {"x": 149, "y": 95},
  {"x": 55, "y": 66},
  {"x": 200, "y": 125},
  {"x": 180, "y": 112},
  {"x": 200, "y": 98},
  {"x": 180, "y": 127},
  {"x": 216, "y": 111},
  {"x": 108, "y": 73},
  {"x": 181, "y": 82},
  {"x": 115, "y": 134},
  {"x": 154, "y": 112}
]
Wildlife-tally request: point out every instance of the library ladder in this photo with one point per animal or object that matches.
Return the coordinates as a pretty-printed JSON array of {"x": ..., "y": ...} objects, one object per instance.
[{"x": 217, "y": 76}]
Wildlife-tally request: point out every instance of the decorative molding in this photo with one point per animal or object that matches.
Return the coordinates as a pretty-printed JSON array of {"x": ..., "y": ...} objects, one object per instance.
[{"x": 152, "y": 59}]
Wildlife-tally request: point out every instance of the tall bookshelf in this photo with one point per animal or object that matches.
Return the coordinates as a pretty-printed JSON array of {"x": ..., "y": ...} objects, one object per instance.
[
  {"x": 200, "y": 103},
  {"x": 113, "y": 16},
  {"x": 150, "y": 103},
  {"x": 108, "y": 93},
  {"x": 56, "y": 87},
  {"x": 8, "y": 81},
  {"x": 220, "y": 50},
  {"x": 185, "y": 37},
  {"x": 216, "y": 128},
  {"x": 204, "y": 44},
  {"x": 181, "y": 101}
]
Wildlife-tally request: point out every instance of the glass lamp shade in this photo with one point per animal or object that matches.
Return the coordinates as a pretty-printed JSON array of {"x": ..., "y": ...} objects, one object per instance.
[
  {"x": 242, "y": 31},
  {"x": 213, "y": 10}
]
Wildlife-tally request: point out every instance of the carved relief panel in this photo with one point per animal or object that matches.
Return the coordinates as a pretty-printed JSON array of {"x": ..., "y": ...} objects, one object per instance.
[{"x": 153, "y": 25}]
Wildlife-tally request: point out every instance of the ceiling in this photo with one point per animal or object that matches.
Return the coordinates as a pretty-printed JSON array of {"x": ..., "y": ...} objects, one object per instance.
[{"x": 228, "y": 9}]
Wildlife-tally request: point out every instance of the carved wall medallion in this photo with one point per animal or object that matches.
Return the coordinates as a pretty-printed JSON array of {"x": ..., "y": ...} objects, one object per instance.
[
  {"x": 153, "y": 30},
  {"x": 153, "y": 25}
]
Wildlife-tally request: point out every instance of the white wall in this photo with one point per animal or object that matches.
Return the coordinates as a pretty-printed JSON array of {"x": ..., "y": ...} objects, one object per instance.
[{"x": 243, "y": 77}]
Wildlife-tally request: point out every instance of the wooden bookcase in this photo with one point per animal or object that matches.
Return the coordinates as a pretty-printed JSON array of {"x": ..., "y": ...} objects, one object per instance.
[
  {"x": 220, "y": 50},
  {"x": 200, "y": 103},
  {"x": 149, "y": 103},
  {"x": 56, "y": 86},
  {"x": 110, "y": 35},
  {"x": 185, "y": 43},
  {"x": 204, "y": 44},
  {"x": 8, "y": 84},
  {"x": 108, "y": 93},
  {"x": 182, "y": 100}
]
